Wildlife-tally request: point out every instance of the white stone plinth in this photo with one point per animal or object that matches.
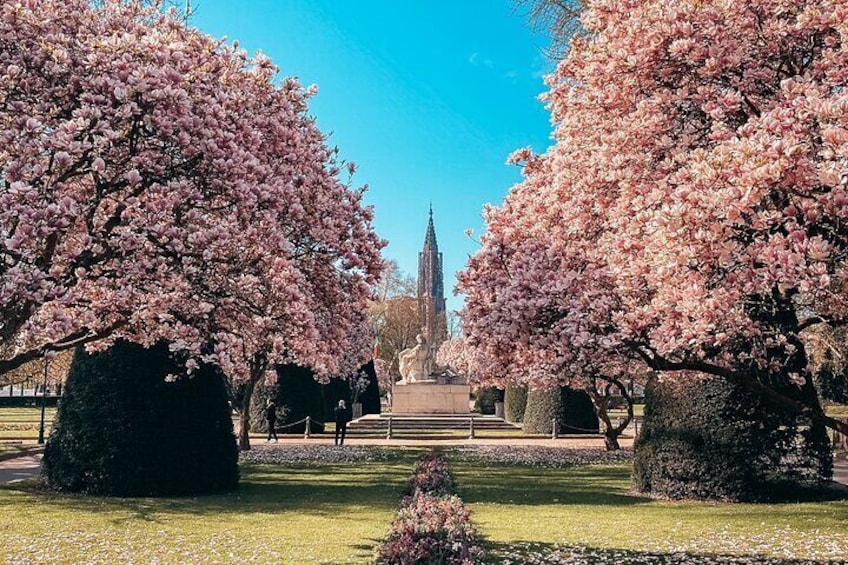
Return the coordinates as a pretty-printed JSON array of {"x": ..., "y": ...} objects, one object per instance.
[{"x": 430, "y": 398}]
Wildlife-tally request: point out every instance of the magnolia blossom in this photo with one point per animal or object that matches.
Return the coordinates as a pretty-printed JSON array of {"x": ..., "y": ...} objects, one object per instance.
[
  {"x": 691, "y": 211},
  {"x": 160, "y": 184}
]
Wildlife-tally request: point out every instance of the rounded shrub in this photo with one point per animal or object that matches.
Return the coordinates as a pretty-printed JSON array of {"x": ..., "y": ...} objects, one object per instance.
[
  {"x": 486, "y": 398},
  {"x": 542, "y": 407},
  {"x": 515, "y": 402},
  {"x": 714, "y": 440},
  {"x": 572, "y": 409},
  {"x": 131, "y": 423}
]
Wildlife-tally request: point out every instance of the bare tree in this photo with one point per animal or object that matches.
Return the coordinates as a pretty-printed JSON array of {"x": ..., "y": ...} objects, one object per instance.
[
  {"x": 394, "y": 315},
  {"x": 559, "y": 19}
]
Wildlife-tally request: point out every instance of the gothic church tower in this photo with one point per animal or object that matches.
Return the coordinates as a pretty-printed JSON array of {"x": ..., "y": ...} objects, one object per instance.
[{"x": 432, "y": 315}]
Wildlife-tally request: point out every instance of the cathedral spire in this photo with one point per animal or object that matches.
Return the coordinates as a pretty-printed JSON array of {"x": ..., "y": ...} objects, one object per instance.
[
  {"x": 431, "y": 289},
  {"x": 430, "y": 238}
]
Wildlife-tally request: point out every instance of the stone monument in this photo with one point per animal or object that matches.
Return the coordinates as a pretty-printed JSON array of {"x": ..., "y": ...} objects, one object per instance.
[{"x": 423, "y": 389}]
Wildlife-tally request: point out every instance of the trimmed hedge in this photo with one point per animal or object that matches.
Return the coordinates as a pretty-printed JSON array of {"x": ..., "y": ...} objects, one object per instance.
[
  {"x": 715, "y": 440},
  {"x": 123, "y": 430},
  {"x": 486, "y": 398},
  {"x": 572, "y": 409},
  {"x": 515, "y": 402},
  {"x": 301, "y": 396},
  {"x": 579, "y": 413}
]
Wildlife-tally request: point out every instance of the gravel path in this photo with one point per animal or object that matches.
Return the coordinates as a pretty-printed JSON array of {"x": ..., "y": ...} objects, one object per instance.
[{"x": 20, "y": 468}]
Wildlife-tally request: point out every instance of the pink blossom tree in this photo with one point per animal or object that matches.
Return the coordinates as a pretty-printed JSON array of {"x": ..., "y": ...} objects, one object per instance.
[
  {"x": 690, "y": 213},
  {"x": 159, "y": 184}
]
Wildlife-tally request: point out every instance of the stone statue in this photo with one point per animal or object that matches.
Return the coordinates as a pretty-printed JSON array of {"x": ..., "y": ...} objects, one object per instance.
[{"x": 415, "y": 361}]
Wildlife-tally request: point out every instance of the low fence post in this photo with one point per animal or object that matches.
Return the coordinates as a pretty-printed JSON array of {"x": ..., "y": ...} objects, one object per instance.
[
  {"x": 389, "y": 429},
  {"x": 554, "y": 429},
  {"x": 308, "y": 430},
  {"x": 471, "y": 430}
]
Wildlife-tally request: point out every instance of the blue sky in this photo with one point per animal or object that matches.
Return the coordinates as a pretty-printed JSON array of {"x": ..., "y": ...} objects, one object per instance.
[{"x": 428, "y": 98}]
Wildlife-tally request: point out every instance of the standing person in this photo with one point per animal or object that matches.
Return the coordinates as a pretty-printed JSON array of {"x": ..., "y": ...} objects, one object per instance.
[
  {"x": 342, "y": 418},
  {"x": 271, "y": 417}
]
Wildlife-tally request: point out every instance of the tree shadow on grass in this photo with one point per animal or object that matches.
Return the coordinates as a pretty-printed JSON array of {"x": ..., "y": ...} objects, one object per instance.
[
  {"x": 595, "y": 485},
  {"x": 518, "y": 553},
  {"x": 329, "y": 489}
]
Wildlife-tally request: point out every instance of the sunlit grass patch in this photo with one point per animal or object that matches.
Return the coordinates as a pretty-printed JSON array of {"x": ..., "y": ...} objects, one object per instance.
[
  {"x": 592, "y": 506},
  {"x": 299, "y": 513}
]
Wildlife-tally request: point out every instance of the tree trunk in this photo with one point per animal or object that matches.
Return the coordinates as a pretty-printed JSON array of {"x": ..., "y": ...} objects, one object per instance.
[
  {"x": 611, "y": 438},
  {"x": 600, "y": 402},
  {"x": 244, "y": 415}
]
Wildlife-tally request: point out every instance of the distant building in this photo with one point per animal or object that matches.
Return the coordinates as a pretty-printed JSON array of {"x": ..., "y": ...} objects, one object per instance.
[{"x": 432, "y": 314}]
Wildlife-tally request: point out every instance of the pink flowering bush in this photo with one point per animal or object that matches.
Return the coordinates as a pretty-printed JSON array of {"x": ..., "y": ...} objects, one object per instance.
[
  {"x": 431, "y": 529},
  {"x": 431, "y": 477},
  {"x": 433, "y": 526}
]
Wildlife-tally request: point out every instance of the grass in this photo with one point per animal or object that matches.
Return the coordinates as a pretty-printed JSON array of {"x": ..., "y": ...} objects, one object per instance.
[
  {"x": 592, "y": 506},
  {"x": 293, "y": 514}
]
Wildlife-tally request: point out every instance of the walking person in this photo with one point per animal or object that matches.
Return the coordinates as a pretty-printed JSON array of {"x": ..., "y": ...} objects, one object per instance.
[
  {"x": 342, "y": 415},
  {"x": 271, "y": 417}
]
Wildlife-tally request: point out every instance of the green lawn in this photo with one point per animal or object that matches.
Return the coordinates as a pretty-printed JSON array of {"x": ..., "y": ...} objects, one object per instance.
[
  {"x": 294, "y": 514},
  {"x": 591, "y": 506}
]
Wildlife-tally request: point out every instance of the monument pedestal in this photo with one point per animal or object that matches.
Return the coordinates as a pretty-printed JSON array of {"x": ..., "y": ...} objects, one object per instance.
[{"x": 430, "y": 398}]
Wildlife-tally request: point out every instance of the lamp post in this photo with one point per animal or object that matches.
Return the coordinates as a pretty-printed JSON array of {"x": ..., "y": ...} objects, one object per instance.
[{"x": 43, "y": 404}]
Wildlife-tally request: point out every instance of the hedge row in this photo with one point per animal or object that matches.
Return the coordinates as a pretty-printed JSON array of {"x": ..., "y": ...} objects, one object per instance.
[{"x": 297, "y": 395}]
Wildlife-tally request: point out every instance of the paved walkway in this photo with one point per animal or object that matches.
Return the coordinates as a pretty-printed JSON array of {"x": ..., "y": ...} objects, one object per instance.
[
  {"x": 29, "y": 466},
  {"x": 20, "y": 468}
]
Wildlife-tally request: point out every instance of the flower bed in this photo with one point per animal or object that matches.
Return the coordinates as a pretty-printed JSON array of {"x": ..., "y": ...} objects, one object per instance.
[
  {"x": 433, "y": 526},
  {"x": 280, "y": 454},
  {"x": 431, "y": 476},
  {"x": 550, "y": 457},
  {"x": 544, "y": 554}
]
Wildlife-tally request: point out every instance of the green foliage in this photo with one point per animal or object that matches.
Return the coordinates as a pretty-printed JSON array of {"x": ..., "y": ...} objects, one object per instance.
[
  {"x": 715, "y": 440},
  {"x": 21, "y": 401},
  {"x": 123, "y": 430},
  {"x": 370, "y": 398},
  {"x": 340, "y": 389},
  {"x": 515, "y": 402},
  {"x": 579, "y": 414},
  {"x": 542, "y": 407},
  {"x": 486, "y": 397},
  {"x": 571, "y": 408},
  {"x": 832, "y": 384},
  {"x": 300, "y": 395}
]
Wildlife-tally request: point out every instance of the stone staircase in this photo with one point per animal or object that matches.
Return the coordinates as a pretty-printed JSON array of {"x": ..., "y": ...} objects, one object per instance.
[{"x": 428, "y": 425}]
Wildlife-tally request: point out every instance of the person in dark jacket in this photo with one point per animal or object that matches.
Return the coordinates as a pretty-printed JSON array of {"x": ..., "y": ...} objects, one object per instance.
[
  {"x": 271, "y": 417},
  {"x": 342, "y": 416}
]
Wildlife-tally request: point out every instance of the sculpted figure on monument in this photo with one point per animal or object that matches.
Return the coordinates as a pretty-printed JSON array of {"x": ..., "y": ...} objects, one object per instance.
[{"x": 414, "y": 362}]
